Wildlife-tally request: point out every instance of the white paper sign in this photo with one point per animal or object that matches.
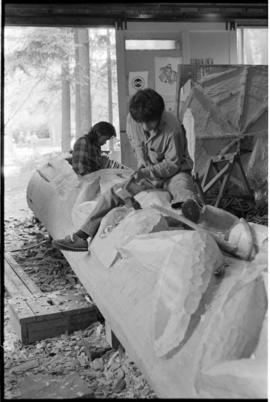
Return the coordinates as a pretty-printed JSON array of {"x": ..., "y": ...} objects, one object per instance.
[
  {"x": 137, "y": 80},
  {"x": 165, "y": 79}
]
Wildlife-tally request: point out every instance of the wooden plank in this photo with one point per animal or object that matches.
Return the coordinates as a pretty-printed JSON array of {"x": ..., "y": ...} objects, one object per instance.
[
  {"x": 18, "y": 282},
  {"x": 225, "y": 181},
  {"x": 42, "y": 310},
  {"x": 20, "y": 309},
  {"x": 13, "y": 283},
  {"x": 10, "y": 286},
  {"x": 238, "y": 160},
  {"x": 216, "y": 178},
  {"x": 185, "y": 12},
  {"x": 242, "y": 97},
  {"x": 207, "y": 171},
  {"x": 46, "y": 329},
  {"x": 35, "y": 318}
]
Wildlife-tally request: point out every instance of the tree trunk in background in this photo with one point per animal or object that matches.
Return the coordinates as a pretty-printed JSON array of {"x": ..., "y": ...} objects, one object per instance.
[
  {"x": 84, "y": 71},
  {"x": 66, "y": 126},
  {"x": 109, "y": 70},
  {"x": 78, "y": 131}
]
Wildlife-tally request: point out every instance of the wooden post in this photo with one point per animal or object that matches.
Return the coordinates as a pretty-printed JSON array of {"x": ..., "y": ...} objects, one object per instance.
[
  {"x": 66, "y": 124},
  {"x": 84, "y": 70},
  {"x": 77, "y": 86}
]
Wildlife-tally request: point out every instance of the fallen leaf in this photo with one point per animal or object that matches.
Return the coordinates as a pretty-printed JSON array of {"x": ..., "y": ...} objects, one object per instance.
[{"x": 119, "y": 385}]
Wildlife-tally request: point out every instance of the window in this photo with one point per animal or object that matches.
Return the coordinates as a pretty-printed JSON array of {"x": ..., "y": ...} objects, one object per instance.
[
  {"x": 49, "y": 80},
  {"x": 252, "y": 45},
  {"x": 151, "y": 44}
]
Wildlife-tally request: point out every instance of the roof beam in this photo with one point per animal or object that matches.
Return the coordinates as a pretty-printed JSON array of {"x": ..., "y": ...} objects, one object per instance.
[{"x": 92, "y": 14}]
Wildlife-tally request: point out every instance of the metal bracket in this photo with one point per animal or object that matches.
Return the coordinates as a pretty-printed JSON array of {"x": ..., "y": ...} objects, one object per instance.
[
  {"x": 230, "y": 25},
  {"x": 121, "y": 24}
]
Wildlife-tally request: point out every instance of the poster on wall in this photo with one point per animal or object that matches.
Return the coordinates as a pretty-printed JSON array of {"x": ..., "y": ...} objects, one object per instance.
[
  {"x": 137, "y": 80},
  {"x": 166, "y": 78}
]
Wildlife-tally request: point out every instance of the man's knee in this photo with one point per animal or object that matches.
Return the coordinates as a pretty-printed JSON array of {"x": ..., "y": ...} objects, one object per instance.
[
  {"x": 182, "y": 180},
  {"x": 182, "y": 187}
]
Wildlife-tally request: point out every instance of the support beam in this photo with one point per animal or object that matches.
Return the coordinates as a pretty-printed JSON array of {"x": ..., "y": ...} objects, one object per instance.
[{"x": 90, "y": 14}]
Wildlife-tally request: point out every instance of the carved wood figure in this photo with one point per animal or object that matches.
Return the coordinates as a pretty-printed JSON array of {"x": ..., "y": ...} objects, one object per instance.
[{"x": 192, "y": 334}]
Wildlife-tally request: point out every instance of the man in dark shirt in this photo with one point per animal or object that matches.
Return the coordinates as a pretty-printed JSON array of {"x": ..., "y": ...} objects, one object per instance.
[
  {"x": 163, "y": 160},
  {"x": 87, "y": 156}
]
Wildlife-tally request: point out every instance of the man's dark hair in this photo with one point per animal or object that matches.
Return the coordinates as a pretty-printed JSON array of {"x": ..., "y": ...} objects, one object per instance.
[
  {"x": 102, "y": 128},
  {"x": 146, "y": 105}
]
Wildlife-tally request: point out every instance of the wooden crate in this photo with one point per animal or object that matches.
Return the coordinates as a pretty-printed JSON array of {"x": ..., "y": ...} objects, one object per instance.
[
  {"x": 17, "y": 282},
  {"x": 35, "y": 318},
  {"x": 35, "y": 315}
]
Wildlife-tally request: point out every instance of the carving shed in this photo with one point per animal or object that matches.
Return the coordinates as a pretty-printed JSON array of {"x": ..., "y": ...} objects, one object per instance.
[{"x": 136, "y": 200}]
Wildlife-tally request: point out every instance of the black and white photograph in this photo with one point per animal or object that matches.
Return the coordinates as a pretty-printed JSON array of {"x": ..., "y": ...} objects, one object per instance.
[{"x": 134, "y": 200}]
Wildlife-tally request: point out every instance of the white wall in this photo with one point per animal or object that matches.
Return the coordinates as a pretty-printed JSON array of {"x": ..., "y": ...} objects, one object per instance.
[
  {"x": 200, "y": 40},
  {"x": 217, "y": 45}
]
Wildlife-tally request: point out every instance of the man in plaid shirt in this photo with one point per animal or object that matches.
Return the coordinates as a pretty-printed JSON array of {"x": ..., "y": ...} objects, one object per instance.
[{"x": 87, "y": 156}]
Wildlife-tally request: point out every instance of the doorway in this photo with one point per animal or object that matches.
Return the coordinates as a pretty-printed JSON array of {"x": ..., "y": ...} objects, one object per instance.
[{"x": 145, "y": 59}]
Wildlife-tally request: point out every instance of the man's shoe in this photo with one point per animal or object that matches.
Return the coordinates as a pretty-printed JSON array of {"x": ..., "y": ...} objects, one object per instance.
[
  {"x": 71, "y": 243},
  {"x": 191, "y": 210}
]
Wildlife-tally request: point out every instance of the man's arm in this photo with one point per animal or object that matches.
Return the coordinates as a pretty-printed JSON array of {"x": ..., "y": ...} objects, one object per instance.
[
  {"x": 173, "y": 159},
  {"x": 136, "y": 139}
]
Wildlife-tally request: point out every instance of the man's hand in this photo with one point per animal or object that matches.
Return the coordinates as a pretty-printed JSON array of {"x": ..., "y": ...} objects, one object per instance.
[
  {"x": 141, "y": 177},
  {"x": 140, "y": 174}
]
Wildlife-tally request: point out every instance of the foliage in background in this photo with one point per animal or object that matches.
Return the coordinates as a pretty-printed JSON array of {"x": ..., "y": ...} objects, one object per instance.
[{"x": 33, "y": 59}]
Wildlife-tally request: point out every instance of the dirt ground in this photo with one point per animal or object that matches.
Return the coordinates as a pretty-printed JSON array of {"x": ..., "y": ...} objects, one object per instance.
[{"x": 32, "y": 370}]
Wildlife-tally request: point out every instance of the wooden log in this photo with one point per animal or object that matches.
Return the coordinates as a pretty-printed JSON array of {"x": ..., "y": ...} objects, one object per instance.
[
  {"x": 226, "y": 326},
  {"x": 224, "y": 245},
  {"x": 135, "y": 222},
  {"x": 240, "y": 378}
]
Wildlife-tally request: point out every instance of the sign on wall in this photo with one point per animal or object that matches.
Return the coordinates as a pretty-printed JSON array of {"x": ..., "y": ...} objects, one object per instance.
[
  {"x": 166, "y": 78},
  {"x": 137, "y": 80}
]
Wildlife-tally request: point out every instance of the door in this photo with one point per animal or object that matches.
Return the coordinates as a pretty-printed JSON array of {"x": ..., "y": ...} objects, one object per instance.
[{"x": 145, "y": 59}]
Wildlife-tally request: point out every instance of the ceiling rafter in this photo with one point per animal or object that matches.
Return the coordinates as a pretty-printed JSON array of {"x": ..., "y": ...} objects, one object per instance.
[{"x": 87, "y": 12}]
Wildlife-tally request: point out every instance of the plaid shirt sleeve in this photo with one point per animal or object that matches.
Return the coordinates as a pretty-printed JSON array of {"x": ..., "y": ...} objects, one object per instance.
[{"x": 86, "y": 157}]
